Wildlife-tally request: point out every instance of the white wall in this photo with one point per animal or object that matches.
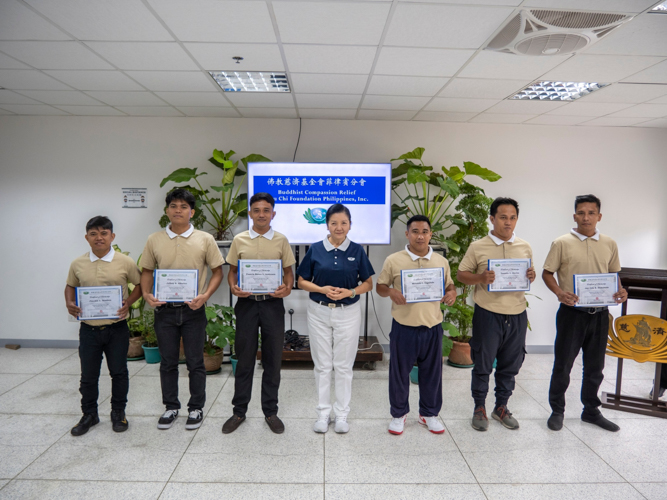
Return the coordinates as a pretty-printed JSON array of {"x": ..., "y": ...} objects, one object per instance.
[{"x": 57, "y": 172}]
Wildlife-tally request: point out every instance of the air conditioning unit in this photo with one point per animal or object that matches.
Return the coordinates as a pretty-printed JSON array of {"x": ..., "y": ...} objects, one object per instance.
[{"x": 554, "y": 32}]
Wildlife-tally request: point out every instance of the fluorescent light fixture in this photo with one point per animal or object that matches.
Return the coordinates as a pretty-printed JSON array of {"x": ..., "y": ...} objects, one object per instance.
[
  {"x": 557, "y": 91},
  {"x": 251, "y": 81},
  {"x": 662, "y": 8}
]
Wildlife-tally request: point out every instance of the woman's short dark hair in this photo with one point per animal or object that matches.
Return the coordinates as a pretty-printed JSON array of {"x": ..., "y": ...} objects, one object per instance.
[
  {"x": 503, "y": 201},
  {"x": 262, "y": 197},
  {"x": 99, "y": 222},
  {"x": 338, "y": 208},
  {"x": 181, "y": 194},
  {"x": 418, "y": 218},
  {"x": 586, "y": 198}
]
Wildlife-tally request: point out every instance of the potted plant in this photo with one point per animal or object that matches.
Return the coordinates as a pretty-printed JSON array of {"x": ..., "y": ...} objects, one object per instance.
[
  {"x": 423, "y": 190},
  {"x": 150, "y": 339},
  {"x": 216, "y": 214},
  {"x": 220, "y": 331}
]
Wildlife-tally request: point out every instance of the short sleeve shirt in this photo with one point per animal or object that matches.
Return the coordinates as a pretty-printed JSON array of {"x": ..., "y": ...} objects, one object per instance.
[
  {"x": 251, "y": 245},
  {"x": 570, "y": 255},
  {"x": 120, "y": 271},
  {"x": 421, "y": 313},
  {"x": 193, "y": 249},
  {"x": 342, "y": 267},
  {"x": 476, "y": 261}
]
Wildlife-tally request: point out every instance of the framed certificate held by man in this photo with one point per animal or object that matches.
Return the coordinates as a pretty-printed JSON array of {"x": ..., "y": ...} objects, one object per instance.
[
  {"x": 423, "y": 285},
  {"x": 596, "y": 290},
  {"x": 175, "y": 285},
  {"x": 510, "y": 275},
  {"x": 99, "y": 302},
  {"x": 260, "y": 276}
]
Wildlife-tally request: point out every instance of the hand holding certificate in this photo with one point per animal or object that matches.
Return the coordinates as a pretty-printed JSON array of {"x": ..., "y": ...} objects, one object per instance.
[
  {"x": 510, "y": 275},
  {"x": 260, "y": 276},
  {"x": 175, "y": 285},
  {"x": 99, "y": 302},
  {"x": 423, "y": 285},
  {"x": 596, "y": 290}
]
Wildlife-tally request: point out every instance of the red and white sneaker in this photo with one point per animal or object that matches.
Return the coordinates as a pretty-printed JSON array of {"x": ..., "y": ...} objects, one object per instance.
[
  {"x": 433, "y": 423},
  {"x": 397, "y": 424}
]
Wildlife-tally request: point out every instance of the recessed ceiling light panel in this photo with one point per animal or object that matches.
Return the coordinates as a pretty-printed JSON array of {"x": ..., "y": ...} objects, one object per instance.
[
  {"x": 557, "y": 91},
  {"x": 662, "y": 8},
  {"x": 251, "y": 81}
]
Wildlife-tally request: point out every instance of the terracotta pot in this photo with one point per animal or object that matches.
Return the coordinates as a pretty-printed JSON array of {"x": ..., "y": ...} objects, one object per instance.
[
  {"x": 135, "y": 350},
  {"x": 213, "y": 363},
  {"x": 460, "y": 354}
]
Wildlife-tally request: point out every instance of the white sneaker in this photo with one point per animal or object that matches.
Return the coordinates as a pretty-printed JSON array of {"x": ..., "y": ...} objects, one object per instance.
[
  {"x": 322, "y": 424},
  {"x": 341, "y": 427},
  {"x": 397, "y": 424},
  {"x": 433, "y": 423}
]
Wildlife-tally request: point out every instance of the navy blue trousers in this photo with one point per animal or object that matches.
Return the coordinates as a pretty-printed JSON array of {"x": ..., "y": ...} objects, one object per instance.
[
  {"x": 501, "y": 337},
  {"x": 423, "y": 345}
]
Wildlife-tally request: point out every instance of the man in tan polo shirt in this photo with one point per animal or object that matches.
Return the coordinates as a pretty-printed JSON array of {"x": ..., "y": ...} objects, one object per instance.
[
  {"x": 255, "y": 312},
  {"x": 102, "y": 266},
  {"x": 181, "y": 246},
  {"x": 499, "y": 322},
  {"x": 582, "y": 251},
  {"x": 416, "y": 330}
]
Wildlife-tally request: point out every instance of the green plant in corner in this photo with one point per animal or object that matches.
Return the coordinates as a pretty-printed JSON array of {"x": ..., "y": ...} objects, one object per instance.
[
  {"x": 220, "y": 328},
  {"x": 220, "y": 212},
  {"x": 141, "y": 320}
]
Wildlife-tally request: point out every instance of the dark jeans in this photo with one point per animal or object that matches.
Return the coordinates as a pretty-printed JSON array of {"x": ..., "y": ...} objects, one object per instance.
[
  {"x": 269, "y": 315},
  {"x": 172, "y": 324},
  {"x": 423, "y": 345},
  {"x": 577, "y": 330},
  {"x": 111, "y": 341}
]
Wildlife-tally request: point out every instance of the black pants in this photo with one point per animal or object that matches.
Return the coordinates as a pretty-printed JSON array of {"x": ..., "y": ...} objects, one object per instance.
[
  {"x": 269, "y": 315},
  {"x": 172, "y": 324},
  {"x": 111, "y": 341},
  {"x": 499, "y": 337},
  {"x": 409, "y": 345},
  {"x": 575, "y": 330}
]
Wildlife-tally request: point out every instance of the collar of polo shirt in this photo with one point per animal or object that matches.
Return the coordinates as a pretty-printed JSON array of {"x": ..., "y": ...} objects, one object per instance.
[
  {"x": 186, "y": 234},
  {"x": 596, "y": 236},
  {"x": 107, "y": 258},
  {"x": 415, "y": 256},
  {"x": 498, "y": 241},
  {"x": 268, "y": 235},
  {"x": 342, "y": 247}
]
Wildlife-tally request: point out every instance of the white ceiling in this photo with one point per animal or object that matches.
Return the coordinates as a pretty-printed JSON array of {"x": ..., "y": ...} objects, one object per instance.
[{"x": 420, "y": 60}]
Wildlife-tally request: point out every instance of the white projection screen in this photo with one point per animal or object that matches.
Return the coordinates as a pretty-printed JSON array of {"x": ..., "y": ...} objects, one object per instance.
[{"x": 304, "y": 191}]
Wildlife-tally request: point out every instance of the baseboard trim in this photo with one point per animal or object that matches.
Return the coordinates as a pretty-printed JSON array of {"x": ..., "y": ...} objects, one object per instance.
[{"x": 50, "y": 344}]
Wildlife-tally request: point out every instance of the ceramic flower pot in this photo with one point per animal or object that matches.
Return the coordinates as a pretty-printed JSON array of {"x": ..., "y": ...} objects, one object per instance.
[
  {"x": 212, "y": 362},
  {"x": 152, "y": 354},
  {"x": 134, "y": 351},
  {"x": 460, "y": 355}
]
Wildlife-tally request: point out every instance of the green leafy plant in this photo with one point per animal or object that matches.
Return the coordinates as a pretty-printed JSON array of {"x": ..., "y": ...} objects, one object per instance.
[
  {"x": 220, "y": 328},
  {"x": 219, "y": 213}
]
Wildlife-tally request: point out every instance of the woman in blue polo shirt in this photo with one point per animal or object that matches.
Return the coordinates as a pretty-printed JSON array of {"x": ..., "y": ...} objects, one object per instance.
[{"x": 331, "y": 271}]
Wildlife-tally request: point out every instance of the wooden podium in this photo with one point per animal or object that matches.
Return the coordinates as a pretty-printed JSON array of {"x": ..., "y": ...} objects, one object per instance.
[{"x": 641, "y": 284}]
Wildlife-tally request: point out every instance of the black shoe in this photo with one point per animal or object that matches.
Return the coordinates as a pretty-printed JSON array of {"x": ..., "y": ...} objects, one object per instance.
[
  {"x": 195, "y": 418},
  {"x": 275, "y": 424},
  {"x": 600, "y": 421},
  {"x": 86, "y": 422},
  {"x": 118, "y": 421},
  {"x": 555, "y": 422},
  {"x": 232, "y": 423},
  {"x": 167, "y": 419}
]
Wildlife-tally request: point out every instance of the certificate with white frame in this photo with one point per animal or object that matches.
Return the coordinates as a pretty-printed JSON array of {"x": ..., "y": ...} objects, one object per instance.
[
  {"x": 175, "y": 285},
  {"x": 99, "y": 302},
  {"x": 510, "y": 275},
  {"x": 596, "y": 290},
  {"x": 260, "y": 276},
  {"x": 423, "y": 285}
]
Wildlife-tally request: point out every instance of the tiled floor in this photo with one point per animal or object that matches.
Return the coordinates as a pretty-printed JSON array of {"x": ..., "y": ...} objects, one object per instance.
[{"x": 39, "y": 403}]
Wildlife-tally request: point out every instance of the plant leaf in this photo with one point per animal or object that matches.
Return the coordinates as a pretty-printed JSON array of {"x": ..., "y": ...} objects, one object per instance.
[
  {"x": 449, "y": 186},
  {"x": 455, "y": 173},
  {"x": 254, "y": 158},
  {"x": 414, "y": 154},
  {"x": 447, "y": 345},
  {"x": 452, "y": 245},
  {"x": 228, "y": 178},
  {"x": 415, "y": 175},
  {"x": 181, "y": 175},
  {"x": 484, "y": 173}
]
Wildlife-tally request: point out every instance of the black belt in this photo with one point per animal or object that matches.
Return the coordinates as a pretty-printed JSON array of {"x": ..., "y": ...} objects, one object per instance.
[
  {"x": 260, "y": 297},
  {"x": 590, "y": 310},
  {"x": 172, "y": 305},
  {"x": 331, "y": 305},
  {"x": 104, "y": 327}
]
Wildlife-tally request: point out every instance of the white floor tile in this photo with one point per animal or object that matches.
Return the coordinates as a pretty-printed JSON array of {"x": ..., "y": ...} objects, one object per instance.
[
  {"x": 403, "y": 491},
  {"x": 216, "y": 491},
  {"x": 561, "y": 492},
  {"x": 27, "y": 360},
  {"x": 81, "y": 490},
  {"x": 652, "y": 491},
  {"x": 10, "y": 380},
  {"x": 71, "y": 365}
]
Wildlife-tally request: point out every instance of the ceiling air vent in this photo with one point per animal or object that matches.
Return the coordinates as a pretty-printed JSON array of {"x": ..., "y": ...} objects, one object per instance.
[{"x": 554, "y": 32}]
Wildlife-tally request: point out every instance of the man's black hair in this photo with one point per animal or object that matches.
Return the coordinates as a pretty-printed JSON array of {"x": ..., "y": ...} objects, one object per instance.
[
  {"x": 587, "y": 198},
  {"x": 503, "y": 201},
  {"x": 338, "y": 208},
  {"x": 99, "y": 222},
  {"x": 181, "y": 194},
  {"x": 418, "y": 218},
  {"x": 262, "y": 197}
]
